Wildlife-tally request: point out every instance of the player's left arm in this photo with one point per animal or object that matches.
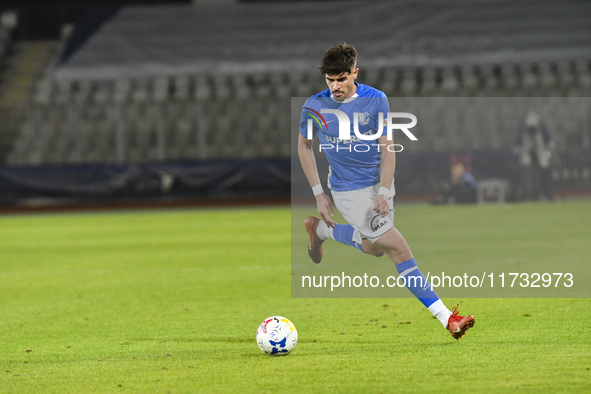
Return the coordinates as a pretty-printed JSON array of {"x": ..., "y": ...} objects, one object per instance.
[{"x": 387, "y": 168}]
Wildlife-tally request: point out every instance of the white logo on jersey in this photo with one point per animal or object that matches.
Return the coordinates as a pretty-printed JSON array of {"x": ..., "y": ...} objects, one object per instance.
[{"x": 364, "y": 118}]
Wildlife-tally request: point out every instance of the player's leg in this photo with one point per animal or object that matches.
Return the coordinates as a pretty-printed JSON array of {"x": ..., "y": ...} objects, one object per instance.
[
  {"x": 371, "y": 248},
  {"x": 395, "y": 246},
  {"x": 347, "y": 235},
  {"x": 343, "y": 233},
  {"x": 351, "y": 205},
  {"x": 354, "y": 206},
  {"x": 318, "y": 232}
]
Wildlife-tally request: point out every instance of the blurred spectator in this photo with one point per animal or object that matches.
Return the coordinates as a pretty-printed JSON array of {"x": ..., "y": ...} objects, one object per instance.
[
  {"x": 533, "y": 144},
  {"x": 460, "y": 189}
]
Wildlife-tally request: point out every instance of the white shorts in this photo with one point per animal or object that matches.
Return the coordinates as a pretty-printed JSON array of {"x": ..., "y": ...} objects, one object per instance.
[{"x": 356, "y": 206}]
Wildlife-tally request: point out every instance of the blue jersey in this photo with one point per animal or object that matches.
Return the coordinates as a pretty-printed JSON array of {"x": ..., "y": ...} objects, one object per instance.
[{"x": 354, "y": 163}]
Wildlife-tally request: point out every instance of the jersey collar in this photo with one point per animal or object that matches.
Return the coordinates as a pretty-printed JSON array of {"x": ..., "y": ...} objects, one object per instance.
[{"x": 349, "y": 99}]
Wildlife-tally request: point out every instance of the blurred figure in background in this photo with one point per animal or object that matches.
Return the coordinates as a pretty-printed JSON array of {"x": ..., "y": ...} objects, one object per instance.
[
  {"x": 533, "y": 144},
  {"x": 462, "y": 187}
]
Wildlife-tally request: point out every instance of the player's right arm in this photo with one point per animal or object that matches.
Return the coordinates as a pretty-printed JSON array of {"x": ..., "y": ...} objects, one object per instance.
[{"x": 308, "y": 162}]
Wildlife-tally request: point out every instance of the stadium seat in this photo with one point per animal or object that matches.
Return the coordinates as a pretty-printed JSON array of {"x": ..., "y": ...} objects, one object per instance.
[
  {"x": 202, "y": 89},
  {"x": 102, "y": 93},
  {"x": 141, "y": 91},
  {"x": 161, "y": 89},
  {"x": 181, "y": 87},
  {"x": 408, "y": 86},
  {"x": 122, "y": 89},
  {"x": 510, "y": 79},
  {"x": 470, "y": 82},
  {"x": 450, "y": 84},
  {"x": 63, "y": 90}
]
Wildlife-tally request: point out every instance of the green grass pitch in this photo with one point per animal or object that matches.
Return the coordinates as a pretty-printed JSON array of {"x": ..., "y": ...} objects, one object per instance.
[{"x": 169, "y": 301}]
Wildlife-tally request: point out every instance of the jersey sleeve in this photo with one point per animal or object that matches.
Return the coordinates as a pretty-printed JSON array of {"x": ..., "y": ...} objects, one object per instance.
[
  {"x": 383, "y": 104},
  {"x": 384, "y": 107}
]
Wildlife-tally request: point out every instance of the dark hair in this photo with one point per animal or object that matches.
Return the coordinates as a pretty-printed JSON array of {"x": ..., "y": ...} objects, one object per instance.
[{"x": 339, "y": 59}]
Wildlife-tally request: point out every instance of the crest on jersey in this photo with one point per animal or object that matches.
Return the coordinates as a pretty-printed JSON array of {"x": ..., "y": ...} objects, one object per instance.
[{"x": 364, "y": 118}]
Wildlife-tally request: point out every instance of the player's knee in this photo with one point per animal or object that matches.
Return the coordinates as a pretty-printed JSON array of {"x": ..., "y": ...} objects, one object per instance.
[
  {"x": 399, "y": 254},
  {"x": 377, "y": 253},
  {"x": 399, "y": 248},
  {"x": 373, "y": 250}
]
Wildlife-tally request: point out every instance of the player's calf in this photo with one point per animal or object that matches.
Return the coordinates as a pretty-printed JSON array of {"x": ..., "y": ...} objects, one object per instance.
[{"x": 370, "y": 248}]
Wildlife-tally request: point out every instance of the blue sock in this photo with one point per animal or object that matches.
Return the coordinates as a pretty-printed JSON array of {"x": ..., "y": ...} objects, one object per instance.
[
  {"x": 343, "y": 233},
  {"x": 416, "y": 282}
]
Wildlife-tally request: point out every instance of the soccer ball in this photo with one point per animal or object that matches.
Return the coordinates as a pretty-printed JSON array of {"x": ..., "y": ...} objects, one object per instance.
[{"x": 277, "y": 336}]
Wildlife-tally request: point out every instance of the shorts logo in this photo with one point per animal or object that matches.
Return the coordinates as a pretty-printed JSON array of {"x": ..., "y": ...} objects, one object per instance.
[
  {"x": 364, "y": 118},
  {"x": 377, "y": 222}
]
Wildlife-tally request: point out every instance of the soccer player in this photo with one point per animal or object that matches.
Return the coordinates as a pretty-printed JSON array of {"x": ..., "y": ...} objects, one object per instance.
[{"x": 361, "y": 180}]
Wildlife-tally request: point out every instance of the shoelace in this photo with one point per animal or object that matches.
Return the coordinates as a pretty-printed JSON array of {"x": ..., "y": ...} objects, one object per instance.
[{"x": 455, "y": 311}]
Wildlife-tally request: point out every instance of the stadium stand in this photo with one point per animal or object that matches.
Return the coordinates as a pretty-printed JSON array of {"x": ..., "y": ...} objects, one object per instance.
[{"x": 208, "y": 82}]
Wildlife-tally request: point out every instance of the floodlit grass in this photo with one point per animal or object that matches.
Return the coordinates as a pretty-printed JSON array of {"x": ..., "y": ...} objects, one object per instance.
[{"x": 169, "y": 301}]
